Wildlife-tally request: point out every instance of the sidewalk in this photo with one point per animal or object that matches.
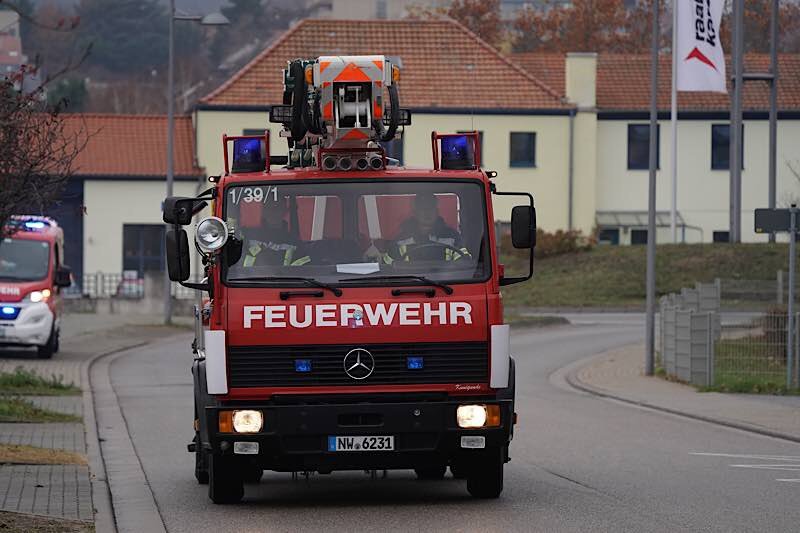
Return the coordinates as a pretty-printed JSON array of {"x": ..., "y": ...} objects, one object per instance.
[
  {"x": 65, "y": 491},
  {"x": 619, "y": 374}
]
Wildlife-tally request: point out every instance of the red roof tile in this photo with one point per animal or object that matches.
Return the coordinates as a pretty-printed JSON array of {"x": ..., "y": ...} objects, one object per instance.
[
  {"x": 444, "y": 65},
  {"x": 132, "y": 145},
  {"x": 623, "y": 82}
]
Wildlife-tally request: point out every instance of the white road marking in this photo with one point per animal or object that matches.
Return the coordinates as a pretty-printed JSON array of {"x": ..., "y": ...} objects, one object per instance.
[
  {"x": 792, "y": 460},
  {"x": 791, "y": 468},
  {"x": 747, "y": 456}
]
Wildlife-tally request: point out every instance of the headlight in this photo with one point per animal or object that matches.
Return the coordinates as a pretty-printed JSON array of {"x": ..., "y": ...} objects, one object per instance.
[
  {"x": 247, "y": 421},
  {"x": 38, "y": 296},
  {"x": 478, "y": 416},
  {"x": 211, "y": 234}
]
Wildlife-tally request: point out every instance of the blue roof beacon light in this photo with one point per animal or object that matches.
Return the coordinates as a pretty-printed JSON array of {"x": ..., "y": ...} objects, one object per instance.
[
  {"x": 456, "y": 151},
  {"x": 249, "y": 155}
]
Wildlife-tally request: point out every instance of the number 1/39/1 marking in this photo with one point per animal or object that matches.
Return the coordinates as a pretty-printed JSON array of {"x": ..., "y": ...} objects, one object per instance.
[
  {"x": 253, "y": 194},
  {"x": 360, "y": 444}
]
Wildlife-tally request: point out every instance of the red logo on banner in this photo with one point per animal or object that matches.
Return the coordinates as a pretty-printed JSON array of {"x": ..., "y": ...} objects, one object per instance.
[{"x": 698, "y": 55}]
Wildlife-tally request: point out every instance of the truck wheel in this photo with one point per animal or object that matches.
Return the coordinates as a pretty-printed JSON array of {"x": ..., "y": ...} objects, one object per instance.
[
  {"x": 252, "y": 474},
  {"x": 47, "y": 350},
  {"x": 200, "y": 462},
  {"x": 431, "y": 472},
  {"x": 225, "y": 483},
  {"x": 486, "y": 479}
]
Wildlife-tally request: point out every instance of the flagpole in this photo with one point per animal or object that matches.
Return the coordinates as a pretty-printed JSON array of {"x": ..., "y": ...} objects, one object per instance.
[{"x": 673, "y": 221}]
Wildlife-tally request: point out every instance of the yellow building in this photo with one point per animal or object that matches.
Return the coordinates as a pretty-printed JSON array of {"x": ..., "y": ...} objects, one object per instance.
[
  {"x": 452, "y": 81},
  {"x": 622, "y": 146}
]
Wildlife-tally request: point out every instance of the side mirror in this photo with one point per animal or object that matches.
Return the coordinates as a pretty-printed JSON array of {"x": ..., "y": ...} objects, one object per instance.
[
  {"x": 180, "y": 210},
  {"x": 63, "y": 277},
  {"x": 177, "y": 248},
  {"x": 523, "y": 226}
]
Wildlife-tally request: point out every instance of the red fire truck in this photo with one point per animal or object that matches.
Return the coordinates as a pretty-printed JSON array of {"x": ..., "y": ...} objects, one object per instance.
[
  {"x": 31, "y": 278},
  {"x": 354, "y": 319}
]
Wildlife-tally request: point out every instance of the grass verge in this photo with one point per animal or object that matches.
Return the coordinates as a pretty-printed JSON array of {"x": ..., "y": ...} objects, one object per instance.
[
  {"x": 614, "y": 276},
  {"x": 25, "y": 523},
  {"x": 14, "y": 409},
  {"x": 23, "y": 381},
  {"x": 32, "y": 455}
]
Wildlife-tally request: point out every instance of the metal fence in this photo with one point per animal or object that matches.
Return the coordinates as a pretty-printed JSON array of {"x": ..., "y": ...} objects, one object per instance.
[
  {"x": 744, "y": 354},
  {"x": 120, "y": 285},
  {"x": 752, "y": 355},
  {"x": 753, "y": 294}
]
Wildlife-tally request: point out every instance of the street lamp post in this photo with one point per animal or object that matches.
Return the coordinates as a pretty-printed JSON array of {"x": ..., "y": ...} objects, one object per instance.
[{"x": 212, "y": 19}]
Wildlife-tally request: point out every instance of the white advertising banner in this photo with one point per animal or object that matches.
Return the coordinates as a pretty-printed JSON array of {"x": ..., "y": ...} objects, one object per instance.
[{"x": 701, "y": 61}]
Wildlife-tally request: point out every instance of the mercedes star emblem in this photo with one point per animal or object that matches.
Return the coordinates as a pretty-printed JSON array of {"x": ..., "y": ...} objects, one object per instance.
[{"x": 359, "y": 363}]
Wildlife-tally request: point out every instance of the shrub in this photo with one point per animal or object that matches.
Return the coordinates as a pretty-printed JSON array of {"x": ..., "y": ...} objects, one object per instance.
[{"x": 548, "y": 244}]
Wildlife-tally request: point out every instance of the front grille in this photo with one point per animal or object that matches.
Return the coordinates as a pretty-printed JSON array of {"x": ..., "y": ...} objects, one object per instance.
[{"x": 274, "y": 366}]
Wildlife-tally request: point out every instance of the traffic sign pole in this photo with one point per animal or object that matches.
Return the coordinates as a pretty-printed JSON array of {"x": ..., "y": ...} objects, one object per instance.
[{"x": 790, "y": 321}]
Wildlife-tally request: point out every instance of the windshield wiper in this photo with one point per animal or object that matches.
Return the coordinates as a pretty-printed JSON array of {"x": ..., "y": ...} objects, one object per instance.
[
  {"x": 308, "y": 281},
  {"x": 427, "y": 281}
]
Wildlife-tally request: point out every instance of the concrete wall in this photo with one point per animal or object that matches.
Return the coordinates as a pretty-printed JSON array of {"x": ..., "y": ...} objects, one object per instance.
[
  {"x": 703, "y": 194},
  {"x": 548, "y": 181}
]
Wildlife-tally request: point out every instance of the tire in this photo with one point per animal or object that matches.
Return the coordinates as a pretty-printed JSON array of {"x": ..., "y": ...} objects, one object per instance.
[
  {"x": 225, "y": 484},
  {"x": 57, "y": 345},
  {"x": 47, "y": 350},
  {"x": 252, "y": 474},
  {"x": 431, "y": 472},
  {"x": 200, "y": 462},
  {"x": 486, "y": 480}
]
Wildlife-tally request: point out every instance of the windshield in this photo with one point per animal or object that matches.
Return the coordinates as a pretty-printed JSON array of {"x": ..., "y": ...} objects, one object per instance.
[
  {"x": 347, "y": 232},
  {"x": 23, "y": 260}
]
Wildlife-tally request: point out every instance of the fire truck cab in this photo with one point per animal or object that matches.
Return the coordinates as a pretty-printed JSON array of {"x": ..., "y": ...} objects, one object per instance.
[
  {"x": 32, "y": 275},
  {"x": 354, "y": 319}
]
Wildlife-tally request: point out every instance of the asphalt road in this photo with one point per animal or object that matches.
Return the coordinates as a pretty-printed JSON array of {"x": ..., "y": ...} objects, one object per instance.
[{"x": 578, "y": 462}]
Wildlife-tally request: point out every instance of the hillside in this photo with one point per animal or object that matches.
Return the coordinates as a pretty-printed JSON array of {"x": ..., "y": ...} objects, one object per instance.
[{"x": 614, "y": 276}]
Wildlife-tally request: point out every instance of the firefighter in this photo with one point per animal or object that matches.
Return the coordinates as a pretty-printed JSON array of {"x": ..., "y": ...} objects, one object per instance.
[
  {"x": 271, "y": 244},
  {"x": 428, "y": 233}
]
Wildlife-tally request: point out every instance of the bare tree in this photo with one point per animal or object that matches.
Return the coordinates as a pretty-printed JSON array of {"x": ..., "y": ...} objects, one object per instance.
[
  {"x": 37, "y": 150},
  {"x": 38, "y": 147}
]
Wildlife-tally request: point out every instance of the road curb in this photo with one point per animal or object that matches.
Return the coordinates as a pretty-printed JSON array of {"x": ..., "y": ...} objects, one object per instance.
[
  {"x": 572, "y": 379},
  {"x": 101, "y": 494}
]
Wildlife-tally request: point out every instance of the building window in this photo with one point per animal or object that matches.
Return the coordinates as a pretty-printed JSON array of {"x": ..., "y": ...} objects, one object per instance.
[
  {"x": 254, "y": 131},
  {"x": 638, "y": 236},
  {"x": 143, "y": 247},
  {"x": 480, "y": 142},
  {"x": 639, "y": 146},
  {"x": 523, "y": 149},
  {"x": 394, "y": 149},
  {"x": 721, "y": 147},
  {"x": 380, "y": 9},
  {"x": 608, "y": 236},
  {"x": 721, "y": 236}
]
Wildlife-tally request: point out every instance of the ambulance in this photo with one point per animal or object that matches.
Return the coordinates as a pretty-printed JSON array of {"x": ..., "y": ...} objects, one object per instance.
[
  {"x": 353, "y": 319},
  {"x": 32, "y": 275}
]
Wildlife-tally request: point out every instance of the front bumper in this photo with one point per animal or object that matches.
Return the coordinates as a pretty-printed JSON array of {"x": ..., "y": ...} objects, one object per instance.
[
  {"x": 31, "y": 327},
  {"x": 295, "y": 437}
]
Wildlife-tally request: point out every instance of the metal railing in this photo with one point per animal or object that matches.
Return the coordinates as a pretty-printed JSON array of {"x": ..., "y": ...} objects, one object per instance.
[{"x": 120, "y": 285}]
